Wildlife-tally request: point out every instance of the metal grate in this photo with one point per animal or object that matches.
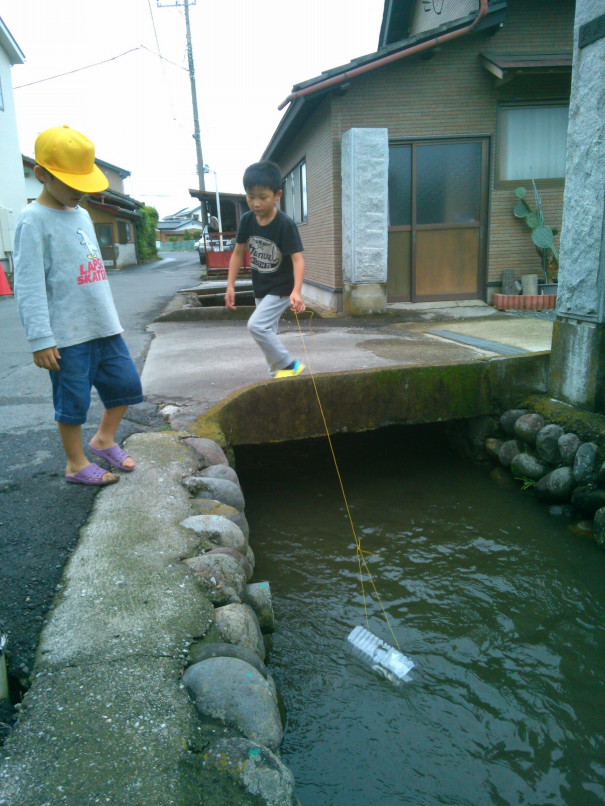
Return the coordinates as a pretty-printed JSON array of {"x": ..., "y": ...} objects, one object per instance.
[{"x": 482, "y": 344}]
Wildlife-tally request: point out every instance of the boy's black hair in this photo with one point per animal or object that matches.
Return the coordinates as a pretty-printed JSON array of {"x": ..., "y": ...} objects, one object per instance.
[{"x": 264, "y": 174}]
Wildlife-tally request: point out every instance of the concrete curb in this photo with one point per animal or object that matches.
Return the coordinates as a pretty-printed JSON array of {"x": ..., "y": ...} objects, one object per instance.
[{"x": 107, "y": 719}]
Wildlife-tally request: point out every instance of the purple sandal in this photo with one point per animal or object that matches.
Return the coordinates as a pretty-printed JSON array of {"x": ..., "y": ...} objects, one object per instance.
[
  {"x": 93, "y": 475},
  {"x": 114, "y": 455}
]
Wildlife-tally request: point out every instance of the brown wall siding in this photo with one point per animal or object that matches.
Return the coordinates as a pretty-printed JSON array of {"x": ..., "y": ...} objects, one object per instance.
[
  {"x": 448, "y": 95},
  {"x": 318, "y": 233}
]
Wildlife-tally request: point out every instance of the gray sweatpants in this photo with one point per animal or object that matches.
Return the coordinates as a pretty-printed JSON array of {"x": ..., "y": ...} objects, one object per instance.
[{"x": 262, "y": 326}]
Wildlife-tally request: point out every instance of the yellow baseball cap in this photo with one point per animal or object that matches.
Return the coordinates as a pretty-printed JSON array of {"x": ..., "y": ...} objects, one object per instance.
[{"x": 70, "y": 156}]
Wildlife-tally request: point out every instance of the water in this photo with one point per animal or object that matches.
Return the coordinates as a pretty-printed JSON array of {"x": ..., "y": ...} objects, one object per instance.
[{"x": 498, "y": 603}]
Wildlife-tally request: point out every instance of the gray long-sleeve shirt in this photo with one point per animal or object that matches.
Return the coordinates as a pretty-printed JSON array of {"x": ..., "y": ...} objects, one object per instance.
[{"x": 61, "y": 287}]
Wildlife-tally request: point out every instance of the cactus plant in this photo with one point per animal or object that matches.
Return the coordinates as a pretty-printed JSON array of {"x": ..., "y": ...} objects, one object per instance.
[{"x": 542, "y": 236}]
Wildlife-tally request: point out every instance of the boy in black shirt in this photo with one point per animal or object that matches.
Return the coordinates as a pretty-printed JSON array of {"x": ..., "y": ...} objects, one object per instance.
[{"x": 277, "y": 265}]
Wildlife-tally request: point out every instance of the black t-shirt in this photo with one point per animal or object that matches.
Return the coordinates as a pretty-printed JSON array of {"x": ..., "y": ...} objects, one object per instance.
[{"x": 270, "y": 248}]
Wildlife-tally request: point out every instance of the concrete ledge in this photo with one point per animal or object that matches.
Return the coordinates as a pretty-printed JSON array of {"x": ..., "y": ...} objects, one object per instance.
[
  {"x": 363, "y": 400},
  {"x": 107, "y": 719}
]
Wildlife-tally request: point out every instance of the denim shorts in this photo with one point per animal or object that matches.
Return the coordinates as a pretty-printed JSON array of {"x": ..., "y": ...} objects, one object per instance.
[{"x": 105, "y": 364}]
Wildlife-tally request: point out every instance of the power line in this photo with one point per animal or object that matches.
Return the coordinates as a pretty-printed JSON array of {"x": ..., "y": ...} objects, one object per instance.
[{"x": 97, "y": 64}]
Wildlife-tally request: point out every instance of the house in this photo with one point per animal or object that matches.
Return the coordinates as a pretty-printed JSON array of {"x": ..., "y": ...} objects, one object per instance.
[
  {"x": 181, "y": 229},
  {"x": 114, "y": 213},
  {"x": 400, "y": 167},
  {"x": 12, "y": 186}
]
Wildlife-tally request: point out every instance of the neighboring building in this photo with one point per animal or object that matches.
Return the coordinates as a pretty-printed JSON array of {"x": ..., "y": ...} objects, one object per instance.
[
  {"x": 114, "y": 213},
  {"x": 233, "y": 206},
  {"x": 400, "y": 167},
  {"x": 182, "y": 227},
  {"x": 12, "y": 185}
]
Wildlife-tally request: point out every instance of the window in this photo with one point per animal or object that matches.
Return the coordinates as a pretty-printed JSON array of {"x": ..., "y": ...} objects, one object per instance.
[
  {"x": 532, "y": 142},
  {"x": 294, "y": 199},
  {"x": 1, "y": 98},
  {"x": 123, "y": 232}
]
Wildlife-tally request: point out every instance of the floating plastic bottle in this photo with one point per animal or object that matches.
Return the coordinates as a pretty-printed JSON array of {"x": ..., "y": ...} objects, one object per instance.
[{"x": 384, "y": 659}]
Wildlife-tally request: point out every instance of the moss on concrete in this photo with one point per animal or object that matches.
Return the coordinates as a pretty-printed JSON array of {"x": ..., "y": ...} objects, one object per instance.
[{"x": 363, "y": 400}]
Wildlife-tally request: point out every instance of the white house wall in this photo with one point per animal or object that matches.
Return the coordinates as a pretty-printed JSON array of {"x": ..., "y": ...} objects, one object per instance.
[{"x": 12, "y": 182}]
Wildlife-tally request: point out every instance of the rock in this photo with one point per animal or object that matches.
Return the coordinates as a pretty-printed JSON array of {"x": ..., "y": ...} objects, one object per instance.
[
  {"x": 547, "y": 443},
  {"x": 528, "y": 426},
  {"x": 217, "y": 529},
  {"x": 561, "y": 510},
  {"x": 601, "y": 475},
  {"x": 237, "y": 624},
  {"x": 525, "y": 465},
  {"x": 584, "y": 462},
  {"x": 492, "y": 447},
  {"x": 556, "y": 486},
  {"x": 254, "y": 767},
  {"x": 587, "y": 498},
  {"x": 227, "y": 492},
  {"x": 598, "y": 527},
  {"x": 237, "y": 556},
  {"x": 508, "y": 450},
  {"x": 220, "y": 472},
  {"x": 206, "y": 506},
  {"x": 222, "y": 577},
  {"x": 568, "y": 447},
  {"x": 501, "y": 477},
  {"x": 233, "y": 691},
  {"x": 258, "y": 596},
  {"x": 250, "y": 557},
  {"x": 219, "y": 649},
  {"x": 208, "y": 451},
  {"x": 509, "y": 418}
]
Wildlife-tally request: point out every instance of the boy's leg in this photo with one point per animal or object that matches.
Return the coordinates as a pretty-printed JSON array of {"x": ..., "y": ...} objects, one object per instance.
[
  {"x": 262, "y": 326},
  {"x": 106, "y": 434},
  {"x": 71, "y": 437}
]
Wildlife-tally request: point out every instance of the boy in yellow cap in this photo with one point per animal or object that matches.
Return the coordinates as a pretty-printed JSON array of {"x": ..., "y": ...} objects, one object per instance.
[{"x": 66, "y": 305}]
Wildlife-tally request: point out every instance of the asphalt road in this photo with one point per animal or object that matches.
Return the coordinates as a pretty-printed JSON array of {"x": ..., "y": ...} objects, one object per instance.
[{"x": 40, "y": 515}]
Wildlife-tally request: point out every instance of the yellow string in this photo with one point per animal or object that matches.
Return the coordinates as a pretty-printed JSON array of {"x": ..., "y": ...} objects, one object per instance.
[{"x": 360, "y": 552}]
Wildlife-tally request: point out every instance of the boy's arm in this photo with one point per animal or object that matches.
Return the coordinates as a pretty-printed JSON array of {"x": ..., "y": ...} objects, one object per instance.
[
  {"x": 30, "y": 293},
  {"x": 237, "y": 258},
  {"x": 298, "y": 267}
]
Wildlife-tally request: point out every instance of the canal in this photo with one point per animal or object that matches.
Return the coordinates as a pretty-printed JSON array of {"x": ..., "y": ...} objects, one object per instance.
[{"x": 498, "y": 600}]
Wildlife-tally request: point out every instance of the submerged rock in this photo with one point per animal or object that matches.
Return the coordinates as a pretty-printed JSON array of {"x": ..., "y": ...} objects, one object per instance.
[
  {"x": 254, "y": 767},
  {"x": 598, "y": 527},
  {"x": 556, "y": 486},
  {"x": 233, "y": 691},
  {"x": 587, "y": 498}
]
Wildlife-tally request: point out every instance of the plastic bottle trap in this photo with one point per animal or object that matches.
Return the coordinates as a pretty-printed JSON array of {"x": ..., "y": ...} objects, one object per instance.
[{"x": 382, "y": 658}]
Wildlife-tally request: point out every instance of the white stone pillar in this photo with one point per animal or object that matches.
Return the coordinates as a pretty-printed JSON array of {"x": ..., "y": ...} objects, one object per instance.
[
  {"x": 365, "y": 187},
  {"x": 577, "y": 365}
]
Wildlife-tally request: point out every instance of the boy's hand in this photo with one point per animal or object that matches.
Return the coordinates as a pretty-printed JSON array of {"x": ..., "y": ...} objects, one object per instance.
[
  {"x": 47, "y": 358},
  {"x": 230, "y": 298},
  {"x": 296, "y": 303}
]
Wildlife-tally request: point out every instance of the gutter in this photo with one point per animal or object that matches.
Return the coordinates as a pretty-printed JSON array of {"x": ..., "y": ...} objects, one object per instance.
[{"x": 393, "y": 57}]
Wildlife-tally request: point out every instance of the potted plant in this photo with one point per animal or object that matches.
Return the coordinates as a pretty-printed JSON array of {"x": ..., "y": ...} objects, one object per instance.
[{"x": 542, "y": 236}]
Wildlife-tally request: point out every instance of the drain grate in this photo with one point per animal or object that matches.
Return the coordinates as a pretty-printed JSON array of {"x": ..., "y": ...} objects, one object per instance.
[{"x": 482, "y": 344}]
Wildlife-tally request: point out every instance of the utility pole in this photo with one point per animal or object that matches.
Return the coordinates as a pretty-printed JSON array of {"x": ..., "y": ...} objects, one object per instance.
[{"x": 196, "y": 121}]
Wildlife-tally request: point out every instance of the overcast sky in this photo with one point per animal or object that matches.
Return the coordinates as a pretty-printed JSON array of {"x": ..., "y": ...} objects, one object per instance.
[{"x": 137, "y": 107}]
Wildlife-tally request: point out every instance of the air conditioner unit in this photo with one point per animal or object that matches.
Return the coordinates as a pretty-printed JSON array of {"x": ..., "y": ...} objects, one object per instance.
[{"x": 7, "y": 229}]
